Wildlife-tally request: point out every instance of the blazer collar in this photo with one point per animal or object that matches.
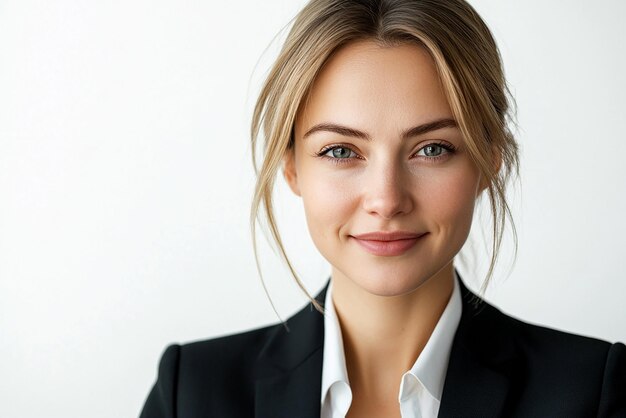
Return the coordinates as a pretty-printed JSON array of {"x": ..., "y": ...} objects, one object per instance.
[
  {"x": 482, "y": 362},
  {"x": 289, "y": 379}
]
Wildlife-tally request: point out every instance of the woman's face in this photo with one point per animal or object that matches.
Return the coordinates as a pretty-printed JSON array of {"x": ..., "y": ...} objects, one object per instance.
[{"x": 377, "y": 150}]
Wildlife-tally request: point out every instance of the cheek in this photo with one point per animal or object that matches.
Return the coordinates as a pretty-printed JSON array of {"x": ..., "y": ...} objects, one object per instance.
[
  {"x": 448, "y": 199},
  {"x": 328, "y": 203}
]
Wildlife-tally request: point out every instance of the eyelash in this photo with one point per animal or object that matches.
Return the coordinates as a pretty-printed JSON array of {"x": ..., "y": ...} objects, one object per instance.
[{"x": 450, "y": 149}]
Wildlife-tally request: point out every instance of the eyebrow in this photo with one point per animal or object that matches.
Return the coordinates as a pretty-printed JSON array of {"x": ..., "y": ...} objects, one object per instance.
[{"x": 408, "y": 133}]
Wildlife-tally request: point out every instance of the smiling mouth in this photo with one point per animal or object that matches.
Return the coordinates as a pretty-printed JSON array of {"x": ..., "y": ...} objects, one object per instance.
[{"x": 388, "y": 248}]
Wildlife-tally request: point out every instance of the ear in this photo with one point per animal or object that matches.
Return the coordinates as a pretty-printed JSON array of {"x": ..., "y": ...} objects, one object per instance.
[
  {"x": 496, "y": 156},
  {"x": 289, "y": 171}
]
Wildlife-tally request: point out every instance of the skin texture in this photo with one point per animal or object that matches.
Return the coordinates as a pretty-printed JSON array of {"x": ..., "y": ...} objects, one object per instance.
[{"x": 387, "y": 306}]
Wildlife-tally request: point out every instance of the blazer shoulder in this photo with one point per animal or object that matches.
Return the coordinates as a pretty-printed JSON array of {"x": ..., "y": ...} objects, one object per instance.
[
  {"x": 247, "y": 345},
  {"x": 242, "y": 338},
  {"x": 586, "y": 364},
  {"x": 548, "y": 339},
  {"x": 232, "y": 352},
  {"x": 583, "y": 366},
  {"x": 548, "y": 370},
  {"x": 214, "y": 375},
  {"x": 541, "y": 342}
]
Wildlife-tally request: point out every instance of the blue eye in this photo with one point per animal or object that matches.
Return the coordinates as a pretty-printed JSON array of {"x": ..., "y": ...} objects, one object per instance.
[
  {"x": 432, "y": 150},
  {"x": 340, "y": 154}
]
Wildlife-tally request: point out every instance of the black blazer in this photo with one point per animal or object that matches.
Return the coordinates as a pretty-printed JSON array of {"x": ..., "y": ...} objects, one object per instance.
[{"x": 499, "y": 367}]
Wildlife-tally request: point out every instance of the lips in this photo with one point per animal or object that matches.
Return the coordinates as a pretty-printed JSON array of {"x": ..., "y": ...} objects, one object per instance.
[
  {"x": 388, "y": 236},
  {"x": 388, "y": 243}
]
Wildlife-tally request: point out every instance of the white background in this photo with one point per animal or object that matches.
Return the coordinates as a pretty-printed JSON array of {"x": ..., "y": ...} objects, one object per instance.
[{"x": 125, "y": 183}]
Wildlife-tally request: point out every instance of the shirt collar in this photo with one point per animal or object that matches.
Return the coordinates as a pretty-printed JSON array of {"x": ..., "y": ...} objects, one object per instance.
[
  {"x": 431, "y": 365},
  {"x": 334, "y": 360}
]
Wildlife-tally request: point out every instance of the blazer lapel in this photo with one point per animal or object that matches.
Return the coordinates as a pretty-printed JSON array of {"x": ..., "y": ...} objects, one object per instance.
[
  {"x": 478, "y": 380},
  {"x": 482, "y": 363},
  {"x": 290, "y": 367}
]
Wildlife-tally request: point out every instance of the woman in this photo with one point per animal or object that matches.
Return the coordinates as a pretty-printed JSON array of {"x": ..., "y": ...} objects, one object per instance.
[{"x": 389, "y": 120}]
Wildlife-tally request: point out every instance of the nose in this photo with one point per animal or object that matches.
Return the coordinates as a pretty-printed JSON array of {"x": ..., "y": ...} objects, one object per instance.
[{"x": 387, "y": 190}]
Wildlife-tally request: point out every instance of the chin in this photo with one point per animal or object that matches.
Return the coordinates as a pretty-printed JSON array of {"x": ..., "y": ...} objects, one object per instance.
[
  {"x": 388, "y": 279},
  {"x": 390, "y": 283}
]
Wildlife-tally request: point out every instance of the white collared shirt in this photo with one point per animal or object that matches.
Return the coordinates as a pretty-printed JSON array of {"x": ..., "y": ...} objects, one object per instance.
[{"x": 420, "y": 388}]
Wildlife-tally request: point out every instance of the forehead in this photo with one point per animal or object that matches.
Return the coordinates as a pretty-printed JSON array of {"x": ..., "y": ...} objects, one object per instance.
[{"x": 376, "y": 87}]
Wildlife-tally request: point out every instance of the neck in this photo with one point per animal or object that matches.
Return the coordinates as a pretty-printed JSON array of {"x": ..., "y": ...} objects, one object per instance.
[{"x": 384, "y": 335}]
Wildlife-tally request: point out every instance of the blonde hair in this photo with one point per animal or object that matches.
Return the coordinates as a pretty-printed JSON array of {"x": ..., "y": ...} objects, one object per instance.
[{"x": 468, "y": 62}]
